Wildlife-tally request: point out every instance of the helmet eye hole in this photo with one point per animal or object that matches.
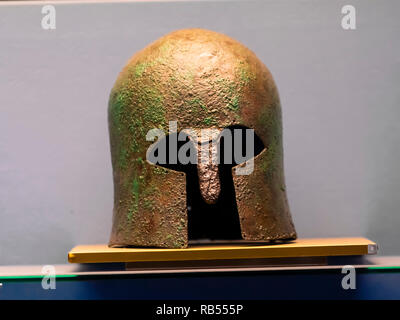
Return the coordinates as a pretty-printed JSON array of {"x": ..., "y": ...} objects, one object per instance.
[
  {"x": 235, "y": 146},
  {"x": 238, "y": 146},
  {"x": 174, "y": 157}
]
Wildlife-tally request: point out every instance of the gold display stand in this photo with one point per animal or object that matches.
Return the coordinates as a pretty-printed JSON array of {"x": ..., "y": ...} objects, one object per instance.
[{"x": 298, "y": 252}]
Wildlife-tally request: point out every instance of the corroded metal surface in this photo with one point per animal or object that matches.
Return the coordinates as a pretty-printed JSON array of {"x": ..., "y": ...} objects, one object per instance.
[
  {"x": 210, "y": 185},
  {"x": 151, "y": 210},
  {"x": 261, "y": 200},
  {"x": 206, "y": 146},
  {"x": 201, "y": 79}
]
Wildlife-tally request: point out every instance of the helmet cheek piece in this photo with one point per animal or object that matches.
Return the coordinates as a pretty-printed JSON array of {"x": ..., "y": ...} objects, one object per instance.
[{"x": 262, "y": 203}]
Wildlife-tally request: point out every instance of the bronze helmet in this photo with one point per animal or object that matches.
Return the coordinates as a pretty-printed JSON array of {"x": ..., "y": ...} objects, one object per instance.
[{"x": 200, "y": 79}]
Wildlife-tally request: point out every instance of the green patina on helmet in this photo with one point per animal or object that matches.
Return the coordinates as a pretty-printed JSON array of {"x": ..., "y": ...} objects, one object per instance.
[{"x": 201, "y": 79}]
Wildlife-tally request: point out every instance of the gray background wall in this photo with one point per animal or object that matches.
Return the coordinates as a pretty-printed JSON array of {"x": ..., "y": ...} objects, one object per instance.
[{"x": 339, "y": 92}]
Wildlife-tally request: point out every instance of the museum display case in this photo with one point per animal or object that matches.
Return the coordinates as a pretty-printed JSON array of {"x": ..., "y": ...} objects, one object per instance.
[{"x": 191, "y": 150}]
